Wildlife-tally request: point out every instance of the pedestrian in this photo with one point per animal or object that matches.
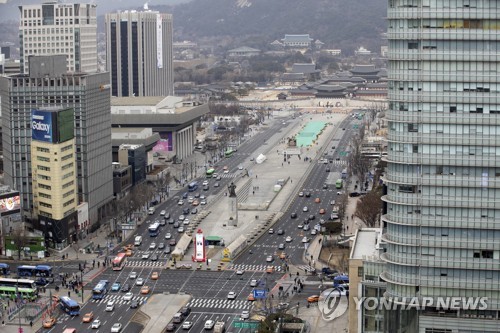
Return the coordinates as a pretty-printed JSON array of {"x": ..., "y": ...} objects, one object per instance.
[
  {"x": 253, "y": 192},
  {"x": 31, "y": 323},
  {"x": 98, "y": 264},
  {"x": 290, "y": 275}
]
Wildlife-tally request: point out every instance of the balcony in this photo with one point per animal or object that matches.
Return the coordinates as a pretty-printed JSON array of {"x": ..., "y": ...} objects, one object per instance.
[
  {"x": 437, "y": 55},
  {"x": 442, "y": 34},
  {"x": 445, "y": 97},
  {"x": 467, "y": 139},
  {"x": 438, "y": 180},
  {"x": 440, "y": 201},
  {"x": 447, "y": 222},
  {"x": 451, "y": 160}
]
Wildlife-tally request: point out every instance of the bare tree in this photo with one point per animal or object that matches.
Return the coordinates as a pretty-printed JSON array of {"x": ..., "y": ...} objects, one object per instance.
[
  {"x": 341, "y": 204},
  {"x": 369, "y": 207},
  {"x": 19, "y": 240},
  {"x": 358, "y": 164}
]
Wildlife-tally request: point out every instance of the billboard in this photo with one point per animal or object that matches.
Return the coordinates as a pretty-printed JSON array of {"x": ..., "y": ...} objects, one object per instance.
[
  {"x": 41, "y": 125},
  {"x": 52, "y": 126},
  {"x": 10, "y": 203}
]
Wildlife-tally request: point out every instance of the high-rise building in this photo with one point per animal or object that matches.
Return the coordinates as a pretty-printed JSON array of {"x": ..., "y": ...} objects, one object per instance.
[
  {"x": 139, "y": 54},
  {"x": 53, "y": 166},
  {"x": 49, "y": 85},
  {"x": 441, "y": 218},
  {"x": 54, "y": 28}
]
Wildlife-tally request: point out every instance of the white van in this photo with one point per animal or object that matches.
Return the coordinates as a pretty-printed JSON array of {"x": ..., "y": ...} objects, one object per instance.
[
  {"x": 138, "y": 240},
  {"x": 151, "y": 210}
]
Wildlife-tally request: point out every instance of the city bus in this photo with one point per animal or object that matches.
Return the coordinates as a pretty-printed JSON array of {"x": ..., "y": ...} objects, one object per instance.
[
  {"x": 38, "y": 270},
  {"x": 229, "y": 153},
  {"x": 193, "y": 186},
  {"x": 13, "y": 292},
  {"x": 339, "y": 183},
  {"x": 210, "y": 172},
  {"x": 100, "y": 290},
  {"x": 154, "y": 229},
  {"x": 21, "y": 283},
  {"x": 4, "y": 269},
  {"x": 69, "y": 306},
  {"x": 119, "y": 261}
]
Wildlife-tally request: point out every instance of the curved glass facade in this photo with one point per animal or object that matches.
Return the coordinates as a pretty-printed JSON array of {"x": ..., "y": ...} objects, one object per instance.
[{"x": 442, "y": 215}]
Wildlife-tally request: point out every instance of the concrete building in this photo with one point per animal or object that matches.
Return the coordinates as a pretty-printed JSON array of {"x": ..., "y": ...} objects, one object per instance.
[
  {"x": 49, "y": 85},
  {"x": 55, "y": 28},
  {"x": 53, "y": 165},
  {"x": 171, "y": 117},
  {"x": 122, "y": 179},
  {"x": 139, "y": 54},
  {"x": 365, "y": 267},
  {"x": 297, "y": 41},
  {"x": 135, "y": 136},
  {"x": 135, "y": 156},
  {"x": 442, "y": 197}
]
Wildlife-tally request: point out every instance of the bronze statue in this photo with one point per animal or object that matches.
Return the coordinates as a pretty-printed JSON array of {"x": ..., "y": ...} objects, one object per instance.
[{"x": 232, "y": 190}]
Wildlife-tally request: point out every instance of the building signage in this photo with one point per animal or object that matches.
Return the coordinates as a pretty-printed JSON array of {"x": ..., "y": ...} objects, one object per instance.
[
  {"x": 159, "y": 42},
  {"x": 10, "y": 203},
  {"x": 259, "y": 293},
  {"x": 41, "y": 126}
]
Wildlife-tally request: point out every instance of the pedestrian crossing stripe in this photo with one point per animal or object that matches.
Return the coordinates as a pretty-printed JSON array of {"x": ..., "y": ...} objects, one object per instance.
[
  {"x": 213, "y": 303},
  {"x": 306, "y": 268},
  {"x": 145, "y": 263},
  {"x": 228, "y": 175},
  {"x": 245, "y": 267},
  {"x": 118, "y": 299}
]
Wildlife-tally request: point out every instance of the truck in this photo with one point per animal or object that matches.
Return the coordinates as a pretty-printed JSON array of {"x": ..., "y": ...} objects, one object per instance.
[
  {"x": 151, "y": 210},
  {"x": 137, "y": 240},
  {"x": 220, "y": 327}
]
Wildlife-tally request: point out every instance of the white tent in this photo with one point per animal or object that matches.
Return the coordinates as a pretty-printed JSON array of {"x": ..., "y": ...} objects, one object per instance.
[{"x": 261, "y": 158}]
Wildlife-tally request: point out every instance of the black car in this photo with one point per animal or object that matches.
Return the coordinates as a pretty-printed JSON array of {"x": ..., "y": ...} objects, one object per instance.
[
  {"x": 154, "y": 257},
  {"x": 185, "y": 211},
  {"x": 185, "y": 311},
  {"x": 167, "y": 250},
  {"x": 134, "y": 304},
  {"x": 281, "y": 232},
  {"x": 176, "y": 224},
  {"x": 327, "y": 169},
  {"x": 163, "y": 222},
  {"x": 293, "y": 216},
  {"x": 194, "y": 211},
  {"x": 166, "y": 216},
  {"x": 197, "y": 195},
  {"x": 312, "y": 217},
  {"x": 125, "y": 288},
  {"x": 185, "y": 195},
  {"x": 308, "y": 194}
]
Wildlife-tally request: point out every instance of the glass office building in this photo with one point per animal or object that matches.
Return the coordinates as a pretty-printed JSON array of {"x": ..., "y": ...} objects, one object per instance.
[{"x": 441, "y": 218}]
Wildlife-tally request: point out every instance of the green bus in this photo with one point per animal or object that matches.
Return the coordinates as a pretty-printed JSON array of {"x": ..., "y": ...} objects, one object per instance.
[
  {"x": 339, "y": 183},
  {"x": 210, "y": 172},
  {"x": 229, "y": 153},
  {"x": 26, "y": 293}
]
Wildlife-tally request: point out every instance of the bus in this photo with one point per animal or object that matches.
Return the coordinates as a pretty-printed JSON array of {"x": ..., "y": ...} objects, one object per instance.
[
  {"x": 100, "y": 290},
  {"x": 339, "y": 183},
  {"x": 4, "y": 269},
  {"x": 38, "y": 270},
  {"x": 193, "y": 186},
  {"x": 14, "y": 292},
  {"x": 229, "y": 153},
  {"x": 154, "y": 229},
  {"x": 344, "y": 174},
  {"x": 210, "y": 172},
  {"x": 119, "y": 261},
  {"x": 21, "y": 283},
  {"x": 69, "y": 306}
]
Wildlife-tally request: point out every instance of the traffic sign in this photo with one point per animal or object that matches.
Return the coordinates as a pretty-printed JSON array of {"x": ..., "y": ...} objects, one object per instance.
[
  {"x": 259, "y": 293},
  {"x": 246, "y": 324}
]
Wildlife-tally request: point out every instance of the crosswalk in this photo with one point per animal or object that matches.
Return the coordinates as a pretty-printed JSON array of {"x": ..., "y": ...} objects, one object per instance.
[
  {"x": 213, "y": 303},
  {"x": 246, "y": 267},
  {"x": 145, "y": 263},
  {"x": 306, "y": 268},
  {"x": 118, "y": 299},
  {"x": 228, "y": 175}
]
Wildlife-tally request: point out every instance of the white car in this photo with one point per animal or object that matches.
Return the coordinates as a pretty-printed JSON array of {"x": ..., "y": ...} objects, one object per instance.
[
  {"x": 205, "y": 182},
  {"x": 116, "y": 328},
  {"x": 180, "y": 202},
  {"x": 253, "y": 283},
  {"x": 288, "y": 239},
  {"x": 226, "y": 171},
  {"x": 139, "y": 282},
  {"x": 301, "y": 194},
  {"x": 203, "y": 202},
  {"x": 269, "y": 259},
  {"x": 190, "y": 199},
  {"x": 152, "y": 246},
  {"x": 245, "y": 314},
  {"x": 180, "y": 230},
  {"x": 305, "y": 240},
  {"x": 110, "y": 306},
  {"x": 240, "y": 167},
  {"x": 186, "y": 222},
  {"x": 132, "y": 275},
  {"x": 271, "y": 231},
  {"x": 187, "y": 325},
  {"x": 96, "y": 324},
  {"x": 209, "y": 324},
  {"x": 305, "y": 209},
  {"x": 145, "y": 255},
  {"x": 128, "y": 296},
  {"x": 231, "y": 295},
  {"x": 240, "y": 272},
  {"x": 168, "y": 235},
  {"x": 163, "y": 212}
]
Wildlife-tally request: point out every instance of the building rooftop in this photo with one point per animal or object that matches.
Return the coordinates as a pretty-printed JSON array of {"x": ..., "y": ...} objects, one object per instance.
[
  {"x": 366, "y": 243},
  {"x": 136, "y": 101},
  {"x": 297, "y": 38},
  {"x": 244, "y": 49},
  {"x": 304, "y": 68}
]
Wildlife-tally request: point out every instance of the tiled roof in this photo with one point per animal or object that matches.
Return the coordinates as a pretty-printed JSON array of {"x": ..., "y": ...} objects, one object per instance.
[
  {"x": 244, "y": 49},
  {"x": 365, "y": 69},
  {"x": 297, "y": 38},
  {"x": 304, "y": 68}
]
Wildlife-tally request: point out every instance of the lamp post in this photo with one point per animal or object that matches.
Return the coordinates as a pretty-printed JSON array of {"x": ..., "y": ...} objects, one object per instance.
[{"x": 81, "y": 281}]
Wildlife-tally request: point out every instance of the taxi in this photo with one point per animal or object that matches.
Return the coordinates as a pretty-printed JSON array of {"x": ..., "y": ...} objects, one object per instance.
[
  {"x": 129, "y": 253},
  {"x": 282, "y": 255},
  {"x": 270, "y": 269},
  {"x": 313, "y": 299},
  {"x": 322, "y": 211},
  {"x": 49, "y": 322},
  {"x": 145, "y": 290},
  {"x": 88, "y": 317},
  {"x": 155, "y": 276},
  {"x": 317, "y": 200},
  {"x": 250, "y": 297}
]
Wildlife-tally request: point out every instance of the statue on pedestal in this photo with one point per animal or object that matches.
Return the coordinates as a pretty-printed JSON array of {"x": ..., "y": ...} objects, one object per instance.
[{"x": 232, "y": 190}]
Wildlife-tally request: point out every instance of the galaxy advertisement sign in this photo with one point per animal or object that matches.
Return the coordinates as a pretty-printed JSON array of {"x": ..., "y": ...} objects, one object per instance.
[{"x": 41, "y": 126}]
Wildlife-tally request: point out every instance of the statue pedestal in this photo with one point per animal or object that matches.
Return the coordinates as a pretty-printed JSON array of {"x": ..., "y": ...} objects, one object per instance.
[{"x": 233, "y": 212}]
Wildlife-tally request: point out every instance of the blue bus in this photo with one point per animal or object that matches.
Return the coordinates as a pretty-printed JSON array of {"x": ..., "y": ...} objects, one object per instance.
[
  {"x": 4, "y": 269},
  {"x": 100, "y": 290},
  {"x": 69, "y": 306},
  {"x": 154, "y": 229},
  {"x": 193, "y": 186},
  {"x": 38, "y": 270}
]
